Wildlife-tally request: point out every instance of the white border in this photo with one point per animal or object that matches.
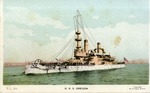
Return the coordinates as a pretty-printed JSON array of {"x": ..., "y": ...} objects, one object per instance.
[
  {"x": 61, "y": 88},
  {"x": 1, "y": 44}
]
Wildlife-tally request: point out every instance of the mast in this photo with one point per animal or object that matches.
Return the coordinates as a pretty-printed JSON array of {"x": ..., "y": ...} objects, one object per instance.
[
  {"x": 79, "y": 52},
  {"x": 78, "y": 39}
]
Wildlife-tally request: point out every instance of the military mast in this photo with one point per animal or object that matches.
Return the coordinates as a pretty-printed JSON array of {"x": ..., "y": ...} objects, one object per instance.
[
  {"x": 78, "y": 39},
  {"x": 79, "y": 52}
]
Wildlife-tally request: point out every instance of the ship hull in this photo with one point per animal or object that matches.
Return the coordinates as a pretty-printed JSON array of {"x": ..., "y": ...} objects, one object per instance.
[{"x": 42, "y": 70}]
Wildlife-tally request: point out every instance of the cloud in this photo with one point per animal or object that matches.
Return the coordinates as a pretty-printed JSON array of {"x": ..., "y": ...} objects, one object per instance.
[
  {"x": 18, "y": 49},
  {"x": 132, "y": 45},
  {"x": 131, "y": 16},
  {"x": 30, "y": 18},
  {"x": 133, "y": 42},
  {"x": 95, "y": 17},
  {"x": 13, "y": 30}
]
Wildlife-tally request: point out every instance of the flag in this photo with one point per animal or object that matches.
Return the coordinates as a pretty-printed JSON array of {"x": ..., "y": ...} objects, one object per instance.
[{"x": 125, "y": 60}]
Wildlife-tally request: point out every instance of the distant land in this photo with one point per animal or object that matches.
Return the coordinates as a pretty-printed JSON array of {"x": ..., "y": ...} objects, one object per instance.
[
  {"x": 11, "y": 64},
  {"x": 139, "y": 61}
]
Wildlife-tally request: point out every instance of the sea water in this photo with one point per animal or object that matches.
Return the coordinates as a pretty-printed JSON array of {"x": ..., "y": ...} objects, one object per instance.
[{"x": 132, "y": 74}]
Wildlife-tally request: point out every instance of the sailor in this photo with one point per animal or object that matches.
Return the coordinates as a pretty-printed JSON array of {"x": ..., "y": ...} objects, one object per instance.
[
  {"x": 54, "y": 67},
  {"x": 59, "y": 69},
  {"x": 65, "y": 66}
]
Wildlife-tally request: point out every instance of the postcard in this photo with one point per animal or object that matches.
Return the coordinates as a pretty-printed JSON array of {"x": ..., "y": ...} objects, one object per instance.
[{"x": 68, "y": 46}]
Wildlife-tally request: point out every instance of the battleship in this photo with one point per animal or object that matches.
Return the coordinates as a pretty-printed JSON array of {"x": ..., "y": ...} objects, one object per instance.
[{"x": 84, "y": 58}]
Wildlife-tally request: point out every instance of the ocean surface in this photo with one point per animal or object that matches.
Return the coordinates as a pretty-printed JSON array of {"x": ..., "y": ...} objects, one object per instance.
[{"x": 133, "y": 74}]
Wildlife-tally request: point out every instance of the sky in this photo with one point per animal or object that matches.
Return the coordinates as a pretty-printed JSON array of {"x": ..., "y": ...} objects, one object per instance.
[{"x": 40, "y": 28}]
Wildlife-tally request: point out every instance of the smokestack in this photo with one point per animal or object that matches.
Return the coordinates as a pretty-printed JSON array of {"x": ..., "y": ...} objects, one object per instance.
[
  {"x": 98, "y": 47},
  {"x": 86, "y": 45}
]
